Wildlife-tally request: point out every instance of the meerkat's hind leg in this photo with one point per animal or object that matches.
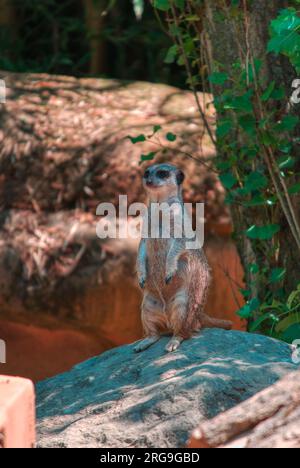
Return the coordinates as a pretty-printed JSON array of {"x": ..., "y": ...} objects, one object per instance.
[
  {"x": 174, "y": 344},
  {"x": 146, "y": 343}
]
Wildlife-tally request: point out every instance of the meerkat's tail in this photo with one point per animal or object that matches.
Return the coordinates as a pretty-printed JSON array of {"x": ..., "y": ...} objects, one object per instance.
[{"x": 210, "y": 322}]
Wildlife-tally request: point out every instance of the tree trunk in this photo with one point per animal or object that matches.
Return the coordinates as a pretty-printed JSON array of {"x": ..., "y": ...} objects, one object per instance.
[
  {"x": 227, "y": 43},
  {"x": 95, "y": 22},
  {"x": 8, "y": 21},
  {"x": 6, "y": 13}
]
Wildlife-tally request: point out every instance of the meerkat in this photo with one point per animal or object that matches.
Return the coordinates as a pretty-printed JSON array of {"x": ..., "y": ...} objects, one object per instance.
[{"x": 175, "y": 280}]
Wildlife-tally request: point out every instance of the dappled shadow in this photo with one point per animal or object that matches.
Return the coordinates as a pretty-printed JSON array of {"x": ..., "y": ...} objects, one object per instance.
[{"x": 153, "y": 391}]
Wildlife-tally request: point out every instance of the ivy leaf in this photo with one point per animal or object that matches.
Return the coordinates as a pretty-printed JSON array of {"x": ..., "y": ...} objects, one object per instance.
[
  {"x": 253, "y": 268},
  {"x": 268, "y": 92},
  {"x": 218, "y": 78},
  {"x": 224, "y": 127},
  {"x": 171, "y": 54},
  {"x": 179, "y": 4},
  {"x": 256, "y": 181},
  {"x": 277, "y": 274},
  {"x": 278, "y": 94},
  {"x": 294, "y": 189},
  {"x": 246, "y": 312},
  {"x": 248, "y": 123},
  {"x": 288, "y": 123},
  {"x": 255, "y": 325},
  {"x": 163, "y": 5},
  {"x": 263, "y": 232},
  {"x": 156, "y": 129},
  {"x": 286, "y": 162},
  {"x": 148, "y": 157},
  {"x": 228, "y": 180},
  {"x": 171, "y": 137},
  {"x": 246, "y": 293},
  {"x": 138, "y": 139},
  {"x": 258, "y": 200},
  {"x": 292, "y": 333},
  {"x": 287, "y": 21},
  {"x": 240, "y": 103}
]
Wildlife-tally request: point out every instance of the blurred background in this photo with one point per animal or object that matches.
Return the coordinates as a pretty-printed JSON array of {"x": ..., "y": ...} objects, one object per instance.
[
  {"x": 81, "y": 76},
  {"x": 86, "y": 38}
]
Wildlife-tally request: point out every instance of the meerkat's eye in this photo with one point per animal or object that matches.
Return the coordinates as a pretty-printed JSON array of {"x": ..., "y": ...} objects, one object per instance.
[
  {"x": 147, "y": 173},
  {"x": 163, "y": 174}
]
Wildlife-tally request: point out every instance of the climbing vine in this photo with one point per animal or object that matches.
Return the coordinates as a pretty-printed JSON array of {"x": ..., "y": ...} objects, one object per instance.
[{"x": 256, "y": 140}]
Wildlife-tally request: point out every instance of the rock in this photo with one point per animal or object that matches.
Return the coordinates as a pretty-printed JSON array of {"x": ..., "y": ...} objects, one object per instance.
[
  {"x": 154, "y": 399},
  {"x": 269, "y": 419}
]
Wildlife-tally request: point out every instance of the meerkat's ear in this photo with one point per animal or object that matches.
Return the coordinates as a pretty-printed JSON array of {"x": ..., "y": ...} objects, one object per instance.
[{"x": 180, "y": 177}]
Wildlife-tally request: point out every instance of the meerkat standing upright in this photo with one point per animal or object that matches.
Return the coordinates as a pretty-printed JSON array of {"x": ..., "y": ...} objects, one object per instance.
[{"x": 175, "y": 279}]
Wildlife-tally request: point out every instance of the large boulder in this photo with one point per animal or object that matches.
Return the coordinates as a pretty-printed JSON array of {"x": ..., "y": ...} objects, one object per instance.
[{"x": 154, "y": 399}]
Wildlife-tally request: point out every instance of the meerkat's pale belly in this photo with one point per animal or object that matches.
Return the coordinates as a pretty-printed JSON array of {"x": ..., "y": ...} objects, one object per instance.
[{"x": 156, "y": 278}]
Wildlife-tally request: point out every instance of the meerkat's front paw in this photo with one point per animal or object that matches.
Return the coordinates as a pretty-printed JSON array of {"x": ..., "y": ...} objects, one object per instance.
[
  {"x": 145, "y": 344},
  {"x": 174, "y": 344}
]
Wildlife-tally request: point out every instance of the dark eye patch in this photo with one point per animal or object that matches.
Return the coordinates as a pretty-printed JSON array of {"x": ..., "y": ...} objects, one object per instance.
[
  {"x": 163, "y": 174},
  {"x": 147, "y": 173}
]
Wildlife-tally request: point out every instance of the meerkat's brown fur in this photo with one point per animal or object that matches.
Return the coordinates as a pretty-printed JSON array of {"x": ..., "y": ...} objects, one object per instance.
[{"x": 175, "y": 280}]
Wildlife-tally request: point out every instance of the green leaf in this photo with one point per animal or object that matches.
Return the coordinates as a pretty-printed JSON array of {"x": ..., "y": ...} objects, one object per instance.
[
  {"x": 218, "y": 78},
  {"x": 138, "y": 139},
  {"x": 248, "y": 123},
  {"x": 246, "y": 312},
  {"x": 284, "y": 324},
  {"x": 171, "y": 54},
  {"x": 263, "y": 232},
  {"x": 156, "y": 128},
  {"x": 286, "y": 21},
  {"x": 268, "y": 139},
  {"x": 228, "y": 180},
  {"x": 288, "y": 123},
  {"x": 148, "y": 157},
  {"x": 258, "y": 200},
  {"x": 294, "y": 189},
  {"x": 163, "y": 5},
  {"x": 240, "y": 103},
  {"x": 295, "y": 295},
  {"x": 179, "y": 4},
  {"x": 292, "y": 333},
  {"x": 255, "y": 325},
  {"x": 256, "y": 181},
  {"x": 224, "y": 127},
  {"x": 286, "y": 162},
  {"x": 277, "y": 275},
  {"x": 268, "y": 92},
  {"x": 171, "y": 137},
  {"x": 246, "y": 293},
  {"x": 278, "y": 94},
  {"x": 253, "y": 268}
]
